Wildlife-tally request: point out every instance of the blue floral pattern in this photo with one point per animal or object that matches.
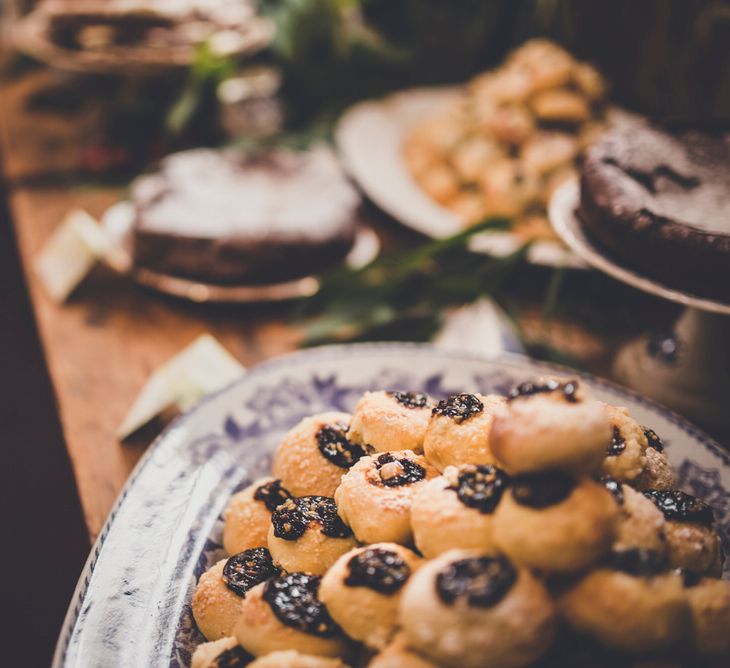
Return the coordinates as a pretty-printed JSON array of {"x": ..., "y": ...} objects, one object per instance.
[{"x": 166, "y": 527}]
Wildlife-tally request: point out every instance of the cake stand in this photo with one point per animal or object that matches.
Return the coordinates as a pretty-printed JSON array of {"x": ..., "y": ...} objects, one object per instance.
[{"x": 687, "y": 369}]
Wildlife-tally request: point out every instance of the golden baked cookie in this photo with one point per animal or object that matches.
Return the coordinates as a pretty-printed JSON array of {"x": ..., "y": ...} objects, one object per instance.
[
  {"x": 459, "y": 430},
  {"x": 658, "y": 472},
  {"x": 640, "y": 523},
  {"x": 463, "y": 606},
  {"x": 248, "y": 516},
  {"x": 216, "y": 602},
  {"x": 388, "y": 421},
  {"x": 455, "y": 510},
  {"x": 693, "y": 542},
  {"x": 550, "y": 425},
  {"x": 399, "y": 655},
  {"x": 552, "y": 522},
  {"x": 314, "y": 455},
  {"x": 293, "y": 659},
  {"x": 285, "y": 613},
  {"x": 709, "y": 604},
  {"x": 376, "y": 494},
  {"x": 217, "y": 653},
  {"x": 631, "y": 603},
  {"x": 626, "y": 455},
  {"x": 362, "y": 591},
  {"x": 307, "y": 534}
]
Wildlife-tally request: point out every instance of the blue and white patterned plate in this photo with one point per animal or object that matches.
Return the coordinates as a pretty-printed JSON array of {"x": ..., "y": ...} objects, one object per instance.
[{"x": 131, "y": 606}]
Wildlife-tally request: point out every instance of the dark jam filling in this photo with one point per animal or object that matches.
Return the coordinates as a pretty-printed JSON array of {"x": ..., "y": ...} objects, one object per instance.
[
  {"x": 459, "y": 407},
  {"x": 637, "y": 562},
  {"x": 568, "y": 388},
  {"x": 411, "y": 472},
  {"x": 614, "y": 486},
  {"x": 689, "y": 578},
  {"x": 295, "y": 516},
  {"x": 481, "y": 487},
  {"x": 482, "y": 581},
  {"x": 411, "y": 399},
  {"x": 376, "y": 568},
  {"x": 540, "y": 490},
  {"x": 272, "y": 494},
  {"x": 618, "y": 443},
  {"x": 336, "y": 448},
  {"x": 653, "y": 440},
  {"x": 234, "y": 657},
  {"x": 676, "y": 505},
  {"x": 293, "y": 599},
  {"x": 246, "y": 569}
]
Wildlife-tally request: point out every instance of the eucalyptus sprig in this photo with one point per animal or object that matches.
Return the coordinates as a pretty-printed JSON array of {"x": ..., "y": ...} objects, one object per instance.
[{"x": 403, "y": 294}]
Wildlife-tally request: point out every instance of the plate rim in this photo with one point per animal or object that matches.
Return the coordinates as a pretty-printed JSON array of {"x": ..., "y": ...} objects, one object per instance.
[
  {"x": 345, "y": 351},
  {"x": 570, "y": 261},
  {"x": 561, "y": 212}
]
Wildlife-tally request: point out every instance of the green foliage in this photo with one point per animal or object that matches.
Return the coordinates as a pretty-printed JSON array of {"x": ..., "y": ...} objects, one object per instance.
[{"x": 403, "y": 294}]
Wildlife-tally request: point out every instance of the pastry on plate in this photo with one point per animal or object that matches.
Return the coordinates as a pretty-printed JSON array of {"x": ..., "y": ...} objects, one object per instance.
[
  {"x": 307, "y": 534},
  {"x": 217, "y": 599},
  {"x": 375, "y": 495},
  {"x": 463, "y": 606},
  {"x": 362, "y": 591},
  {"x": 456, "y": 509}
]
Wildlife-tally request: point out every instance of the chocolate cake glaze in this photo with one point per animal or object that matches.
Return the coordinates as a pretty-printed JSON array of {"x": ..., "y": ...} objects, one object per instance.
[
  {"x": 658, "y": 201},
  {"x": 235, "y": 218}
]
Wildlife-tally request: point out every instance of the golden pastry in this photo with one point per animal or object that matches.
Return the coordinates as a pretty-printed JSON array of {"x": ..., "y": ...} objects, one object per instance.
[{"x": 456, "y": 509}]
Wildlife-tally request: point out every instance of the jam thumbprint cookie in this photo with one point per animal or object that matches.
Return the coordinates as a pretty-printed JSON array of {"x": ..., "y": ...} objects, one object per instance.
[
  {"x": 391, "y": 420},
  {"x": 285, "y": 613},
  {"x": 626, "y": 455},
  {"x": 459, "y": 430},
  {"x": 313, "y": 456},
  {"x": 693, "y": 542},
  {"x": 709, "y": 604},
  {"x": 552, "y": 522},
  {"x": 462, "y": 607},
  {"x": 217, "y": 599},
  {"x": 248, "y": 515},
  {"x": 632, "y": 602},
  {"x": 399, "y": 655},
  {"x": 362, "y": 591},
  {"x": 222, "y": 653},
  {"x": 640, "y": 523},
  {"x": 307, "y": 534},
  {"x": 292, "y": 659},
  {"x": 376, "y": 494},
  {"x": 550, "y": 425},
  {"x": 455, "y": 510}
]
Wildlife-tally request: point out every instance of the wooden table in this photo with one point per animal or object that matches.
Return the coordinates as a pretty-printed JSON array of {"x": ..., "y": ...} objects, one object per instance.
[{"x": 103, "y": 344}]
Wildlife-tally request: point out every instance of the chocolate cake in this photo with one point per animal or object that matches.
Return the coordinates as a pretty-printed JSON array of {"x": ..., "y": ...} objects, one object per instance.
[
  {"x": 226, "y": 218},
  {"x": 658, "y": 200}
]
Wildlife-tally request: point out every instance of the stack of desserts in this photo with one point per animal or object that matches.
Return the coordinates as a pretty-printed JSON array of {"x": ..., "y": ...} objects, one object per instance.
[
  {"x": 514, "y": 136},
  {"x": 538, "y": 528}
]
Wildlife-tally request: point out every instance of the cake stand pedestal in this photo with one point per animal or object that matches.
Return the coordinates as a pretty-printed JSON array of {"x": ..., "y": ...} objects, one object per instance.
[{"x": 687, "y": 369}]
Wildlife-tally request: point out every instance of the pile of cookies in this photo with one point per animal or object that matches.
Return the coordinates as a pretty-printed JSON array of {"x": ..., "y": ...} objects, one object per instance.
[
  {"x": 538, "y": 528},
  {"x": 514, "y": 136}
]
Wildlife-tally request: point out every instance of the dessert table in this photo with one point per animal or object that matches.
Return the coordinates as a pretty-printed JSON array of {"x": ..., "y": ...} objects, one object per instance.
[{"x": 103, "y": 344}]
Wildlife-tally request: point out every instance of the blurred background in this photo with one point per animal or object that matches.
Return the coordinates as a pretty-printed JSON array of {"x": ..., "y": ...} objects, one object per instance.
[{"x": 90, "y": 125}]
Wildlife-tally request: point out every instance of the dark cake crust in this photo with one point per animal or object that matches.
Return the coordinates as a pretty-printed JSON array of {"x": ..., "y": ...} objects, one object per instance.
[
  {"x": 659, "y": 202},
  {"x": 237, "y": 219}
]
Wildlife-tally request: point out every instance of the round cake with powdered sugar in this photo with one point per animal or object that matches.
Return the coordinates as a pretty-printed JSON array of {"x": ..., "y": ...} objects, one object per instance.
[
  {"x": 229, "y": 217},
  {"x": 658, "y": 200}
]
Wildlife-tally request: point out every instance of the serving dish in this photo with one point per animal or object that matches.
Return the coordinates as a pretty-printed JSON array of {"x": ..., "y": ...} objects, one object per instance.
[
  {"x": 370, "y": 137},
  {"x": 131, "y": 606}
]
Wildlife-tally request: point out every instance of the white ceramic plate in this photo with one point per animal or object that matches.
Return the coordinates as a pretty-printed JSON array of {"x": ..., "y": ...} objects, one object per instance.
[
  {"x": 370, "y": 138},
  {"x": 131, "y": 607},
  {"x": 566, "y": 223}
]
